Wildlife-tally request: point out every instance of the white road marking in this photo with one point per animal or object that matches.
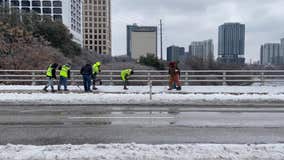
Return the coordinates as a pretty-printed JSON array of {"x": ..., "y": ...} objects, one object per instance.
[{"x": 121, "y": 117}]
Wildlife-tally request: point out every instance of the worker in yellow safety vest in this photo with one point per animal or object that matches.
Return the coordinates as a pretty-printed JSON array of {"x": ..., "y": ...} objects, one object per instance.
[
  {"x": 50, "y": 75},
  {"x": 96, "y": 71},
  {"x": 64, "y": 76},
  {"x": 125, "y": 74}
]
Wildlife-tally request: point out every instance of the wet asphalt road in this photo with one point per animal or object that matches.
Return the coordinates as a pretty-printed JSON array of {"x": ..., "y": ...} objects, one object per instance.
[{"x": 41, "y": 125}]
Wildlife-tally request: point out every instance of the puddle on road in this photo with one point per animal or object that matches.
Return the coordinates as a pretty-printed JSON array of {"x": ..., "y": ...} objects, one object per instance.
[{"x": 127, "y": 118}]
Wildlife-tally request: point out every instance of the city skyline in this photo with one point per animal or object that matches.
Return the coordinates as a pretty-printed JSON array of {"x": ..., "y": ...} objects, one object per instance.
[{"x": 195, "y": 21}]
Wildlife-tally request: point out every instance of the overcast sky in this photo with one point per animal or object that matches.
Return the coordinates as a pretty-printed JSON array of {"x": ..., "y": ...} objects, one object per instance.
[{"x": 194, "y": 20}]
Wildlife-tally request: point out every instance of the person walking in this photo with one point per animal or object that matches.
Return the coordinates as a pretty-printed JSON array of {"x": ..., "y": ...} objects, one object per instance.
[
  {"x": 50, "y": 74},
  {"x": 86, "y": 72},
  {"x": 64, "y": 76},
  {"x": 125, "y": 74},
  {"x": 174, "y": 76},
  {"x": 96, "y": 71}
]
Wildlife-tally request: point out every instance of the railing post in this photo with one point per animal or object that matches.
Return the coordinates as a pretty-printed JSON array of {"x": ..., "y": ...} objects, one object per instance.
[
  {"x": 262, "y": 78},
  {"x": 186, "y": 78},
  {"x": 224, "y": 78},
  {"x": 149, "y": 76},
  {"x": 150, "y": 89},
  {"x": 33, "y": 79},
  {"x": 111, "y": 78},
  {"x": 72, "y": 82}
]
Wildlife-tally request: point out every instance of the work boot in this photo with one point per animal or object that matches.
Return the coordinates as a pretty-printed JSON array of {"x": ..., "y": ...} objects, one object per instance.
[
  {"x": 53, "y": 91},
  {"x": 125, "y": 88},
  {"x": 178, "y": 88},
  {"x": 94, "y": 88},
  {"x": 170, "y": 89},
  {"x": 45, "y": 89}
]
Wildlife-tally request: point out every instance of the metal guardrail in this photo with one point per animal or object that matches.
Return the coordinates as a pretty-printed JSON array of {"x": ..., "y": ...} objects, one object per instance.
[{"x": 188, "y": 77}]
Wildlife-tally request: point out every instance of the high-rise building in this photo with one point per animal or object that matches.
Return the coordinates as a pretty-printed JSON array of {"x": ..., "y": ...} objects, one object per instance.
[
  {"x": 231, "y": 45},
  {"x": 175, "y": 53},
  {"x": 141, "y": 40},
  {"x": 97, "y": 26},
  {"x": 202, "y": 49},
  {"x": 270, "y": 54},
  {"x": 282, "y": 50},
  {"x": 67, "y": 11}
]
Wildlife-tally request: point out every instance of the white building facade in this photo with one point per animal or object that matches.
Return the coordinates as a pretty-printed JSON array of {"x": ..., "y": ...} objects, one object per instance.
[
  {"x": 141, "y": 40},
  {"x": 69, "y": 12}
]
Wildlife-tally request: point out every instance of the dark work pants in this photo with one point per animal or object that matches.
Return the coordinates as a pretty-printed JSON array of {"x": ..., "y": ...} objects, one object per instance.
[
  {"x": 62, "y": 81},
  {"x": 94, "y": 80},
  {"x": 87, "y": 82},
  {"x": 125, "y": 83}
]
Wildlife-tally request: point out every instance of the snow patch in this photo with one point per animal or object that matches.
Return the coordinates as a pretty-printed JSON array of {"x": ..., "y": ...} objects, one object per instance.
[{"x": 143, "y": 152}]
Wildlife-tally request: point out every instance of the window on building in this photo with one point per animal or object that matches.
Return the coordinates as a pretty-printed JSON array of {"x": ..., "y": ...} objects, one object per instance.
[
  {"x": 15, "y": 3},
  {"x": 37, "y": 10},
  {"x": 46, "y": 10},
  {"x": 57, "y": 3},
  {"x": 26, "y": 10},
  {"x": 57, "y": 18},
  {"x": 35, "y": 3},
  {"x": 100, "y": 49},
  {"x": 57, "y": 10},
  {"x": 46, "y": 3},
  {"x": 26, "y": 3}
]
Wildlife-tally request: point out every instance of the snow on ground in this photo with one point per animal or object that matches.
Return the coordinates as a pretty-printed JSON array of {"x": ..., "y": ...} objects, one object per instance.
[
  {"x": 77, "y": 98},
  {"x": 139, "y": 95},
  {"x": 161, "y": 89},
  {"x": 143, "y": 152}
]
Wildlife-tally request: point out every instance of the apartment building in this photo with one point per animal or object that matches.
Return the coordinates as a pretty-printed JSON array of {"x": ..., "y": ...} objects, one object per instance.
[{"x": 97, "y": 26}]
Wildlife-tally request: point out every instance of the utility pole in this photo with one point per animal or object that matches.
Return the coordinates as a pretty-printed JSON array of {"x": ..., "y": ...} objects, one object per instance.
[{"x": 161, "y": 38}]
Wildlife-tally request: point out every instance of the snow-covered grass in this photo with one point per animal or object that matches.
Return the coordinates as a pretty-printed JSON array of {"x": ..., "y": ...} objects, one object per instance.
[
  {"x": 77, "y": 98},
  {"x": 143, "y": 152},
  {"x": 162, "y": 89},
  {"x": 139, "y": 95}
]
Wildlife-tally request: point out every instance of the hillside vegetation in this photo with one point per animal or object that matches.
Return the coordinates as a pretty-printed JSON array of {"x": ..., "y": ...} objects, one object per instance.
[{"x": 28, "y": 41}]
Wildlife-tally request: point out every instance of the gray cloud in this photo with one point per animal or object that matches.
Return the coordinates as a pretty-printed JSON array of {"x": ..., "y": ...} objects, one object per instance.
[{"x": 191, "y": 20}]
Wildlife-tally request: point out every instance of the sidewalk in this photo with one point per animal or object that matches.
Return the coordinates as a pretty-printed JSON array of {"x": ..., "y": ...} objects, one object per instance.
[{"x": 139, "y": 95}]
